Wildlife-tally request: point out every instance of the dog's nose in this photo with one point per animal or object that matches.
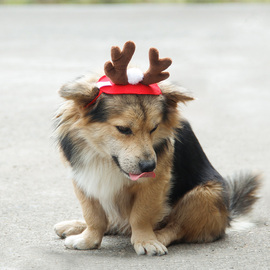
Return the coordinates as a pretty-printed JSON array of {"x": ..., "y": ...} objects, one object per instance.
[{"x": 147, "y": 165}]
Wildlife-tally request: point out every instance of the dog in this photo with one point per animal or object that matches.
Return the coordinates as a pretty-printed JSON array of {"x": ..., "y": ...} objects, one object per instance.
[{"x": 137, "y": 167}]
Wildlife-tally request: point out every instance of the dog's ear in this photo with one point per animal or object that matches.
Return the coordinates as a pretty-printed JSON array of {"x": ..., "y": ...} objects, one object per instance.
[
  {"x": 82, "y": 91},
  {"x": 173, "y": 96}
]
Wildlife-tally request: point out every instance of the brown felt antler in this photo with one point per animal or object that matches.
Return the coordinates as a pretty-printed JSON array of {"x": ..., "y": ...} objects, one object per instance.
[
  {"x": 117, "y": 69},
  {"x": 154, "y": 74}
]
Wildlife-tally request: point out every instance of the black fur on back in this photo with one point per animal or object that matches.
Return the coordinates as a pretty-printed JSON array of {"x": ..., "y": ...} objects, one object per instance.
[{"x": 191, "y": 167}]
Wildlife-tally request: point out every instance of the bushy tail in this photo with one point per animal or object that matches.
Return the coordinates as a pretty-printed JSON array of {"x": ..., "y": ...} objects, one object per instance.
[{"x": 243, "y": 193}]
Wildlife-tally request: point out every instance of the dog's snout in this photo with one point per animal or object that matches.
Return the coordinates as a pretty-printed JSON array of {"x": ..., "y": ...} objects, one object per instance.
[{"x": 147, "y": 165}]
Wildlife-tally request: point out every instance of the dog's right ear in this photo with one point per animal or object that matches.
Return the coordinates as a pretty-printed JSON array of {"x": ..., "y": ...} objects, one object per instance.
[{"x": 82, "y": 91}]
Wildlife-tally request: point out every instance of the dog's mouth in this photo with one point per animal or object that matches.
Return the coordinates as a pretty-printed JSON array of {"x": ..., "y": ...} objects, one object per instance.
[
  {"x": 135, "y": 177},
  {"x": 131, "y": 176}
]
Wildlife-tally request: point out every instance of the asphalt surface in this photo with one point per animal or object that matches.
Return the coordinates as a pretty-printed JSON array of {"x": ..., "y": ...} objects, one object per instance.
[{"x": 221, "y": 53}]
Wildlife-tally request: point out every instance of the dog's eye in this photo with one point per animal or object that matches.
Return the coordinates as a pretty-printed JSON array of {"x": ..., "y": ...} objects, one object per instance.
[
  {"x": 124, "y": 130},
  {"x": 154, "y": 129}
]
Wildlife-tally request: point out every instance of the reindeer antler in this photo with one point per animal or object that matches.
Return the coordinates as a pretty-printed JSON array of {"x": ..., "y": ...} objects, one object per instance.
[
  {"x": 154, "y": 74},
  {"x": 117, "y": 69}
]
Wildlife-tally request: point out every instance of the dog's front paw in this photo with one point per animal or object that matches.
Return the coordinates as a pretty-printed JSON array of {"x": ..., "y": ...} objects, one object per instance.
[
  {"x": 71, "y": 227},
  {"x": 85, "y": 240},
  {"x": 150, "y": 247}
]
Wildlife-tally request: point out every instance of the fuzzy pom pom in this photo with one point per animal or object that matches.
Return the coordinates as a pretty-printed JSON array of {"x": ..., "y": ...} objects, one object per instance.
[{"x": 134, "y": 75}]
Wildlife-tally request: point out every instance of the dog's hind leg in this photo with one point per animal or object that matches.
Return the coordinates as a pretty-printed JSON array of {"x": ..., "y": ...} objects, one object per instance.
[
  {"x": 199, "y": 216},
  {"x": 71, "y": 227}
]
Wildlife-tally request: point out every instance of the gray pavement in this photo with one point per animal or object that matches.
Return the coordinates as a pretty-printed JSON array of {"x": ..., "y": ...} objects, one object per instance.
[{"x": 221, "y": 53}]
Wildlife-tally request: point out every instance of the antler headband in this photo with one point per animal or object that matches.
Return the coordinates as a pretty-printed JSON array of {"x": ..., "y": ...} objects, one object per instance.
[{"x": 120, "y": 80}]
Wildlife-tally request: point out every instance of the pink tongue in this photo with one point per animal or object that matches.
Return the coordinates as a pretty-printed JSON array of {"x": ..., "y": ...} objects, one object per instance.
[{"x": 135, "y": 177}]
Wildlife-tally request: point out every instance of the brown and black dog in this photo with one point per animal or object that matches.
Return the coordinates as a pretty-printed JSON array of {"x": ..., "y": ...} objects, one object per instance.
[{"x": 176, "y": 195}]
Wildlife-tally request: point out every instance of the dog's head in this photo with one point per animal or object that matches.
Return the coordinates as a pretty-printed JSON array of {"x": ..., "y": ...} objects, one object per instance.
[{"x": 132, "y": 129}]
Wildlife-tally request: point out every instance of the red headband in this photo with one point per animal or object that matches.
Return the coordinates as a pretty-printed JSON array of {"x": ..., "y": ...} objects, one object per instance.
[{"x": 106, "y": 86}]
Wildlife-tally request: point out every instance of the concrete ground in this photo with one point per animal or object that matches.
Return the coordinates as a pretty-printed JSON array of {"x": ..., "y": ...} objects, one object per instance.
[{"x": 221, "y": 53}]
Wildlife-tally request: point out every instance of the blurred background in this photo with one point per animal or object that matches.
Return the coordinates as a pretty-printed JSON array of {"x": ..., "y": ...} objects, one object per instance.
[
  {"x": 125, "y": 1},
  {"x": 221, "y": 54}
]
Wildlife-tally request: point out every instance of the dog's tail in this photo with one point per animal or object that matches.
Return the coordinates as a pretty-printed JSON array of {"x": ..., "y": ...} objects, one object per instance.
[{"x": 243, "y": 193}]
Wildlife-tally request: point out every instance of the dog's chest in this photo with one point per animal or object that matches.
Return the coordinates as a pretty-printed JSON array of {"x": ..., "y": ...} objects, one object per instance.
[{"x": 102, "y": 180}]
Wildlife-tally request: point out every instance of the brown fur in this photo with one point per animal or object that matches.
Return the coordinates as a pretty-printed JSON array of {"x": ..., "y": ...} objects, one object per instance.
[
  {"x": 200, "y": 216},
  {"x": 94, "y": 148}
]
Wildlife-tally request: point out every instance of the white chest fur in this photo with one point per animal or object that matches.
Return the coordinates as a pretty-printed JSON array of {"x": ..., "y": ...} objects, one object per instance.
[{"x": 101, "y": 179}]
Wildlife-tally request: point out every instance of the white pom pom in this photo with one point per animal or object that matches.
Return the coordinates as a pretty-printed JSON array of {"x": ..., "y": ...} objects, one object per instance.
[{"x": 134, "y": 75}]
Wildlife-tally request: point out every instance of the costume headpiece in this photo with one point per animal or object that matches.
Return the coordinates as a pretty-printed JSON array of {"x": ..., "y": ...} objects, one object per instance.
[{"x": 119, "y": 80}]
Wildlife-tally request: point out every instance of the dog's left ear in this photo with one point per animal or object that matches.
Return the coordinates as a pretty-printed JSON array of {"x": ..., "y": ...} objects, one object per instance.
[{"x": 173, "y": 97}]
